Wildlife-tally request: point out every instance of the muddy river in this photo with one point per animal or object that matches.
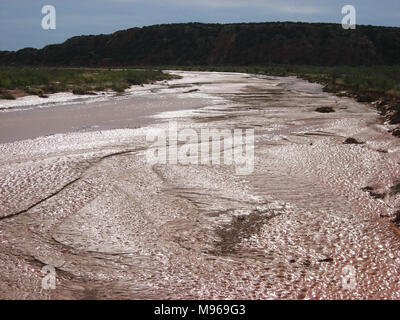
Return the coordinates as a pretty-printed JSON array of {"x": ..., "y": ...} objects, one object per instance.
[{"x": 78, "y": 194}]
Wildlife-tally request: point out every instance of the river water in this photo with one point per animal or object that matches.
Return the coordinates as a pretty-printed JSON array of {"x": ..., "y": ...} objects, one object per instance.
[{"x": 77, "y": 193}]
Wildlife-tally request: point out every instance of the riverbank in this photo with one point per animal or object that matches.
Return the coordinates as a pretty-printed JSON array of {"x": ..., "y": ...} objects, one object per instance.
[
  {"x": 16, "y": 82},
  {"x": 378, "y": 85},
  {"x": 115, "y": 226}
]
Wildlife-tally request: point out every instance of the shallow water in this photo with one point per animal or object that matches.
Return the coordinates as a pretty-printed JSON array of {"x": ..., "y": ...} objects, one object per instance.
[{"x": 114, "y": 226}]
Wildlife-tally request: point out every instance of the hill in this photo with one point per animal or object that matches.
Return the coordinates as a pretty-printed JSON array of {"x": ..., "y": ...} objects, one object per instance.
[{"x": 221, "y": 44}]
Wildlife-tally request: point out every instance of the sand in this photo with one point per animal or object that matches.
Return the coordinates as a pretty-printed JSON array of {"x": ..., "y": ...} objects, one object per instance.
[{"x": 114, "y": 226}]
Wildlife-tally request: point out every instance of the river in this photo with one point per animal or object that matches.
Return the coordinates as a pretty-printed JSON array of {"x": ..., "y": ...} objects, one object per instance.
[{"x": 78, "y": 194}]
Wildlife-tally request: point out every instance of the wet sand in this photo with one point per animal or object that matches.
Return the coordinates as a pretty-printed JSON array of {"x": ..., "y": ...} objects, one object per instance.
[
  {"x": 133, "y": 112},
  {"x": 113, "y": 226}
]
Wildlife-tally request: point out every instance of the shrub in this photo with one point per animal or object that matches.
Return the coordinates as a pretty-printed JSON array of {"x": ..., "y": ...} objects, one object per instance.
[
  {"x": 364, "y": 99},
  {"x": 118, "y": 88},
  {"x": 79, "y": 91},
  {"x": 35, "y": 92},
  {"x": 7, "y": 96}
]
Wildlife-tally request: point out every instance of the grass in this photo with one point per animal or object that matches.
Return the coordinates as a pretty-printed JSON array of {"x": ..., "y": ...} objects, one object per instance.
[
  {"x": 42, "y": 80},
  {"x": 7, "y": 96},
  {"x": 364, "y": 83},
  {"x": 383, "y": 80},
  {"x": 367, "y": 81}
]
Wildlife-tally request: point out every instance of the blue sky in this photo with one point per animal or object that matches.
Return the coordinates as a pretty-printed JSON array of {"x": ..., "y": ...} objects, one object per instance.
[{"x": 20, "y": 20}]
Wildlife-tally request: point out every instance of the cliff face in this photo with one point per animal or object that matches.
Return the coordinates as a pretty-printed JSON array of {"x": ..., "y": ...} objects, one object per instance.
[{"x": 221, "y": 44}]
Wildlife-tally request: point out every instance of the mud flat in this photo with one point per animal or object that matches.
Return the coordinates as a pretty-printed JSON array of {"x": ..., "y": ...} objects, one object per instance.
[{"x": 114, "y": 226}]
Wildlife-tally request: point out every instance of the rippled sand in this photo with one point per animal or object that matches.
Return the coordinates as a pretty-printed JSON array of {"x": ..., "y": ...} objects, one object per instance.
[{"x": 113, "y": 226}]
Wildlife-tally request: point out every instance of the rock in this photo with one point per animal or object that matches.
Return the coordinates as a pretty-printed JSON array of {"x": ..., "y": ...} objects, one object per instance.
[
  {"x": 352, "y": 141},
  {"x": 396, "y": 219},
  {"x": 307, "y": 263},
  {"x": 377, "y": 195},
  {"x": 364, "y": 99},
  {"x": 79, "y": 91},
  {"x": 325, "y": 109},
  {"x": 367, "y": 189},
  {"x": 326, "y": 260},
  {"x": 396, "y": 132},
  {"x": 190, "y": 91},
  {"x": 371, "y": 192},
  {"x": 49, "y": 259}
]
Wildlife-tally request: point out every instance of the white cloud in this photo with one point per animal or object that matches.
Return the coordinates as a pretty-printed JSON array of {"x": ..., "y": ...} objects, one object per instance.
[{"x": 284, "y": 6}]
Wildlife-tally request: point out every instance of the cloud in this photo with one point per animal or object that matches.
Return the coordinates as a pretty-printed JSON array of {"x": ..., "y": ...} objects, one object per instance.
[
  {"x": 299, "y": 10},
  {"x": 20, "y": 21},
  {"x": 282, "y": 6}
]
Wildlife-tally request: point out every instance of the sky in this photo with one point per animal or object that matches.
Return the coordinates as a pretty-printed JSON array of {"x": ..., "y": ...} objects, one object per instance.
[{"x": 21, "y": 20}]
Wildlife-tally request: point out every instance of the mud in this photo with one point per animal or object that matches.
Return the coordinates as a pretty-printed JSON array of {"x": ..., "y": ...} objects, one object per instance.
[{"x": 114, "y": 226}]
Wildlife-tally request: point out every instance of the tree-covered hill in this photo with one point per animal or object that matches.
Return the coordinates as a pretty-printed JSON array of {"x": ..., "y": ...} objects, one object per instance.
[{"x": 221, "y": 44}]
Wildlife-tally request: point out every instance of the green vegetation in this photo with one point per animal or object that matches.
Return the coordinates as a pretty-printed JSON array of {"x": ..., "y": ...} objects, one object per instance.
[
  {"x": 7, "y": 96},
  {"x": 381, "y": 80},
  {"x": 366, "y": 84},
  {"x": 32, "y": 91},
  {"x": 364, "y": 62},
  {"x": 240, "y": 44},
  {"x": 41, "y": 80},
  {"x": 378, "y": 84}
]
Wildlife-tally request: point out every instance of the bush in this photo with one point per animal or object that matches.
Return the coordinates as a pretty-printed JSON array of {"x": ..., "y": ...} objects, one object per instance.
[
  {"x": 7, "y": 96},
  {"x": 35, "y": 92},
  {"x": 364, "y": 99},
  {"x": 118, "y": 88},
  {"x": 99, "y": 88},
  {"x": 79, "y": 91},
  {"x": 39, "y": 80}
]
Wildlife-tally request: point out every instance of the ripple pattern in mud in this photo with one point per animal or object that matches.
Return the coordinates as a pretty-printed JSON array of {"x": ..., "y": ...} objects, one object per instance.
[{"x": 115, "y": 226}]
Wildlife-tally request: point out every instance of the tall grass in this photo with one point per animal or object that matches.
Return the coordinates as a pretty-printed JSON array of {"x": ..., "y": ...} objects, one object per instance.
[
  {"x": 384, "y": 80},
  {"x": 39, "y": 80},
  {"x": 379, "y": 79}
]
